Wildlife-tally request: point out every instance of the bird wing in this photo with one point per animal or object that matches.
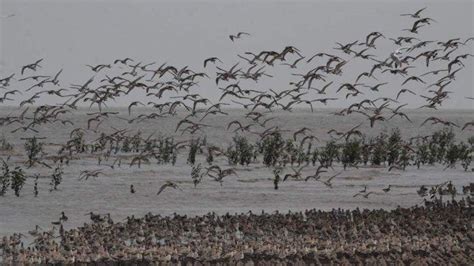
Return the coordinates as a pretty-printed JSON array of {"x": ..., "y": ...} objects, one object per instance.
[{"x": 162, "y": 188}]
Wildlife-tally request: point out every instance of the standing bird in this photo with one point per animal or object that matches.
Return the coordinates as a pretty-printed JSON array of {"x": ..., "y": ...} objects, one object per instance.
[
  {"x": 63, "y": 217},
  {"x": 387, "y": 189},
  {"x": 423, "y": 191}
]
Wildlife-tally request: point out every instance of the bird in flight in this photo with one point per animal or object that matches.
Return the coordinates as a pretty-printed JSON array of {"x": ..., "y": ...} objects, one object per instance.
[
  {"x": 238, "y": 35},
  {"x": 212, "y": 60},
  {"x": 166, "y": 185},
  {"x": 32, "y": 66},
  {"x": 416, "y": 14},
  {"x": 8, "y": 16}
]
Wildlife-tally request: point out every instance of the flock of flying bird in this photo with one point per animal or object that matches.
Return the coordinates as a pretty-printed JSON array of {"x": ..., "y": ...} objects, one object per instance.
[{"x": 170, "y": 90}]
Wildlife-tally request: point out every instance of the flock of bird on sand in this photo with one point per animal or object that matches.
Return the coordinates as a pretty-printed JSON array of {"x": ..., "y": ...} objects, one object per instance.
[
  {"x": 438, "y": 234},
  {"x": 171, "y": 90}
]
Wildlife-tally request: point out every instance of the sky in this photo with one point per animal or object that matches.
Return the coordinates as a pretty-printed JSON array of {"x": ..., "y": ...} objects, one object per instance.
[{"x": 70, "y": 34}]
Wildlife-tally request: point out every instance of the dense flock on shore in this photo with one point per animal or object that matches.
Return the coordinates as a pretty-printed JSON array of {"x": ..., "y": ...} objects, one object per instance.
[{"x": 440, "y": 233}]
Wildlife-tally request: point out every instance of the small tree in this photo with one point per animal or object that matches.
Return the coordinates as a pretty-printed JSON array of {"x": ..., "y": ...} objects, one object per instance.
[
  {"x": 422, "y": 154},
  {"x": 126, "y": 145},
  {"x": 276, "y": 177},
  {"x": 194, "y": 148},
  {"x": 379, "y": 152},
  {"x": 351, "y": 153},
  {"x": 196, "y": 174},
  {"x": 210, "y": 156},
  {"x": 136, "y": 141},
  {"x": 35, "y": 187},
  {"x": 56, "y": 178},
  {"x": 452, "y": 155},
  {"x": 405, "y": 157},
  {"x": 33, "y": 149},
  {"x": 314, "y": 156},
  {"x": 5, "y": 145},
  {"x": 365, "y": 152},
  {"x": 18, "y": 179},
  {"x": 272, "y": 147},
  {"x": 4, "y": 178},
  {"x": 466, "y": 153},
  {"x": 393, "y": 146},
  {"x": 328, "y": 154}
]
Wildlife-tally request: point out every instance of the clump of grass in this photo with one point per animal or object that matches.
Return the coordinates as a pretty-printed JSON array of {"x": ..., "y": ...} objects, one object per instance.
[
  {"x": 196, "y": 174},
  {"x": 33, "y": 149},
  {"x": 77, "y": 142},
  {"x": 194, "y": 148},
  {"x": 328, "y": 154},
  {"x": 440, "y": 142},
  {"x": 35, "y": 186},
  {"x": 423, "y": 154},
  {"x": 467, "y": 154},
  {"x": 126, "y": 145},
  {"x": 56, "y": 177},
  {"x": 4, "y": 178},
  {"x": 271, "y": 147},
  {"x": 366, "y": 151},
  {"x": 136, "y": 141},
  {"x": 351, "y": 153},
  {"x": 393, "y": 147},
  {"x": 314, "y": 156},
  {"x": 379, "y": 150},
  {"x": 18, "y": 178},
  {"x": 405, "y": 157},
  {"x": 167, "y": 152},
  {"x": 15, "y": 179},
  {"x": 241, "y": 152},
  {"x": 452, "y": 155},
  {"x": 210, "y": 155},
  {"x": 5, "y": 145},
  {"x": 276, "y": 177}
]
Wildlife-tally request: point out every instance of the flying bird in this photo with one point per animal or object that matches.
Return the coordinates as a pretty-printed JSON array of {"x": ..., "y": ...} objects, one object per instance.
[
  {"x": 416, "y": 14},
  {"x": 212, "y": 60},
  {"x": 168, "y": 184},
  {"x": 32, "y": 66},
  {"x": 238, "y": 35}
]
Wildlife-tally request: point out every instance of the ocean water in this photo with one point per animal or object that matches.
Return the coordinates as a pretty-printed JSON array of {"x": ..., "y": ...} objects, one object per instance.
[{"x": 251, "y": 189}]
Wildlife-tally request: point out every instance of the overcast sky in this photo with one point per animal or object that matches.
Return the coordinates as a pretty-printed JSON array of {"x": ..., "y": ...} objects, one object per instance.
[{"x": 70, "y": 34}]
